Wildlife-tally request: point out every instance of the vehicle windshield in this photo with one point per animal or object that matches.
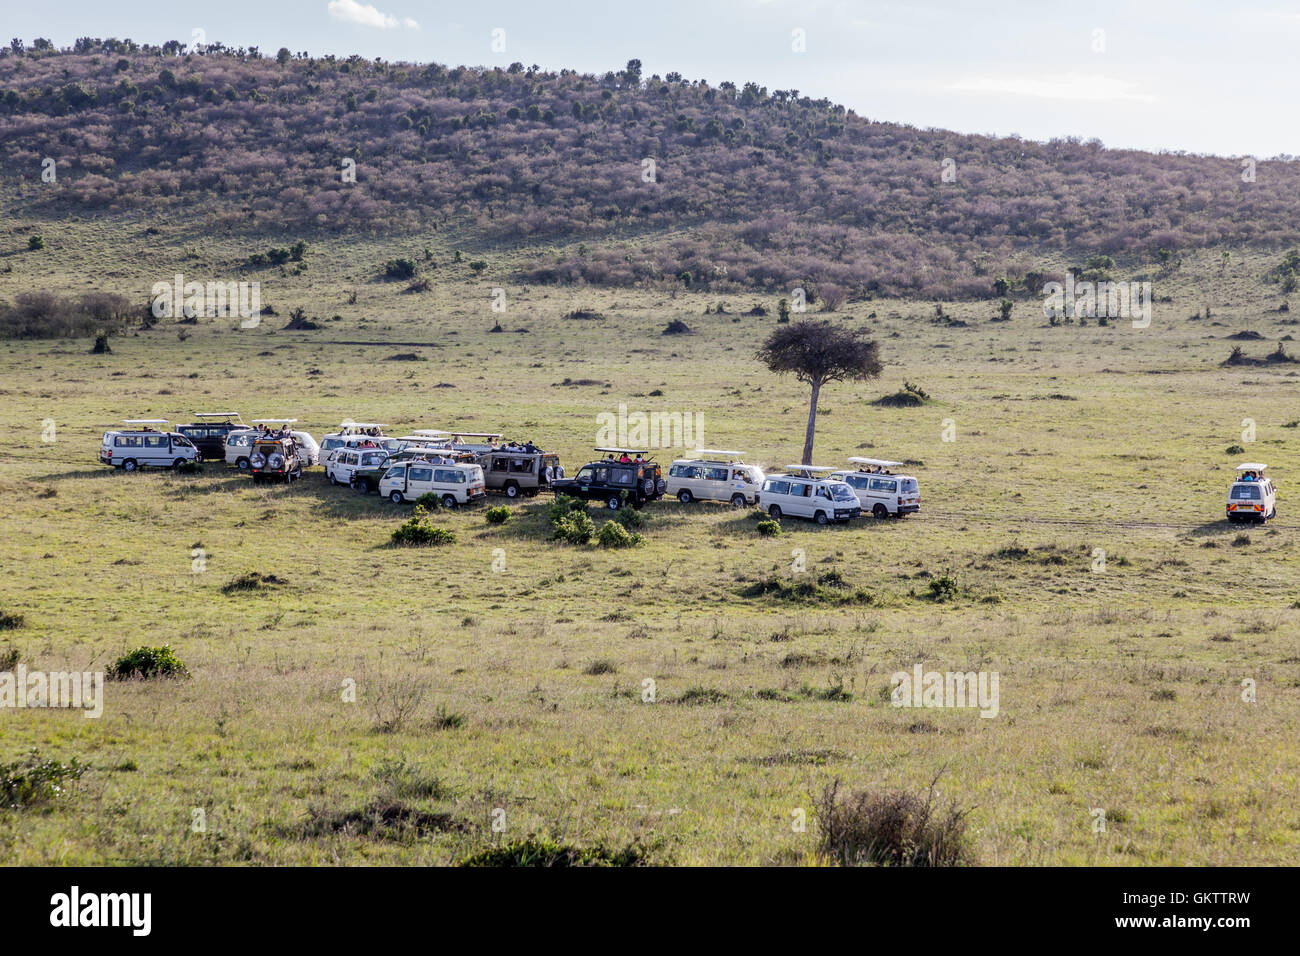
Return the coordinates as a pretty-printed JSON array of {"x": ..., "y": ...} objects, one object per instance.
[
  {"x": 842, "y": 492},
  {"x": 396, "y": 471},
  {"x": 1246, "y": 492},
  {"x": 586, "y": 473},
  {"x": 907, "y": 485}
]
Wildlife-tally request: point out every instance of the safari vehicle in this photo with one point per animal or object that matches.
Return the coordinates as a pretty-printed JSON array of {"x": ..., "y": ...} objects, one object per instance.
[
  {"x": 461, "y": 441},
  {"x": 359, "y": 435},
  {"x": 880, "y": 491},
  {"x": 239, "y": 445},
  {"x": 715, "y": 475},
  {"x": 146, "y": 446},
  {"x": 209, "y": 437},
  {"x": 365, "y": 477},
  {"x": 614, "y": 481},
  {"x": 514, "y": 471},
  {"x": 1252, "y": 497},
  {"x": 275, "y": 459},
  {"x": 308, "y": 449},
  {"x": 455, "y": 484},
  {"x": 342, "y": 463},
  {"x": 802, "y": 494}
]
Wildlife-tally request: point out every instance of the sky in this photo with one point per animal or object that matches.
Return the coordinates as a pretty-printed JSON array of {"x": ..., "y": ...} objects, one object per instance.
[{"x": 1186, "y": 75}]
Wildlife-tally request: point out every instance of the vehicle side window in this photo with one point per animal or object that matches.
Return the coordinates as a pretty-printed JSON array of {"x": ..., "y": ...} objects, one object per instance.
[
  {"x": 715, "y": 474},
  {"x": 499, "y": 464},
  {"x": 676, "y": 471},
  {"x": 602, "y": 474},
  {"x": 421, "y": 474},
  {"x": 586, "y": 474},
  {"x": 155, "y": 441},
  {"x": 777, "y": 487},
  {"x": 521, "y": 466}
]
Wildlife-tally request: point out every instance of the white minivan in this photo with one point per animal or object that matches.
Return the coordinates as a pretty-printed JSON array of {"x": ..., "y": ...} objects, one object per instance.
[
  {"x": 452, "y": 484},
  {"x": 801, "y": 494},
  {"x": 880, "y": 491},
  {"x": 145, "y": 446},
  {"x": 715, "y": 475},
  {"x": 359, "y": 435},
  {"x": 1252, "y": 496}
]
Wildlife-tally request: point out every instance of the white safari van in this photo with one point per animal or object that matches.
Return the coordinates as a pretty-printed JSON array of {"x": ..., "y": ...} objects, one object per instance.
[
  {"x": 145, "y": 445},
  {"x": 882, "y": 492},
  {"x": 1253, "y": 496},
  {"x": 714, "y": 475},
  {"x": 238, "y": 445},
  {"x": 453, "y": 484},
  {"x": 359, "y": 435},
  {"x": 801, "y": 494},
  {"x": 341, "y": 463}
]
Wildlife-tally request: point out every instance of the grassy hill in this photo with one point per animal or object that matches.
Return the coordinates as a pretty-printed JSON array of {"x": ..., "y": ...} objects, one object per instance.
[{"x": 749, "y": 187}]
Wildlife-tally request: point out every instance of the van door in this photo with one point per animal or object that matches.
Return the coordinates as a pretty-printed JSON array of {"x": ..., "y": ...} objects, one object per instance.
[
  {"x": 419, "y": 479},
  {"x": 800, "y": 499}
]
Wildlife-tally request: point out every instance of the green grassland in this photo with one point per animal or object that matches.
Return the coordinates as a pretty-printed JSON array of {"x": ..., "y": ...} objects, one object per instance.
[{"x": 521, "y": 688}]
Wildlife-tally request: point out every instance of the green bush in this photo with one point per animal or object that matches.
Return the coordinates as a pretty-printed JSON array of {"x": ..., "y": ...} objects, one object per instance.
[
  {"x": 944, "y": 588},
  {"x": 419, "y": 530},
  {"x": 34, "y": 781},
  {"x": 630, "y": 518},
  {"x": 400, "y": 268},
  {"x": 498, "y": 515},
  {"x": 148, "y": 663},
  {"x": 1234, "y": 450},
  {"x": 768, "y": 528},
  {"x": 542, "y": 852},
  {"x": 10, "y": 622},
  {"x": 428, "y": 501},
  {"x": 891, "y": 828},
  {"x": 614, "y": 535},
  {"x": 36, "y": 243},
  {"x": 576, "y": 527},
  {"x": 562, "y": 506}
]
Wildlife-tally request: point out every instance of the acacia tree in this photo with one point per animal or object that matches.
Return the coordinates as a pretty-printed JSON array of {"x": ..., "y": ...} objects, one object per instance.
[{"x": 817, "y": 353}]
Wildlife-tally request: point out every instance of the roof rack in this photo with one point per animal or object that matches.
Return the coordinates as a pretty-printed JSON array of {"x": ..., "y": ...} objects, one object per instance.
[
  {"x": 474, "y": 434},
  {"x": 626, "y": 451},
  {"x": 274, "y": 421},
  {"x": 218, "y": 415},
  {"x": 144, "y": 421},
  {"x": 726, "y": 455},
  {"x": 809, "y": 468},
  {"x": 350, "y": 424},
  {"x": 429, "y": 432},
  {"x": 1251, "y": 466},
  {"x": 878, "y": 462}
]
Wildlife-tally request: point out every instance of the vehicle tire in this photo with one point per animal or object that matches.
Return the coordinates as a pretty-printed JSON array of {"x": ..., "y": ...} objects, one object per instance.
[
  {"x": 242, "y": 464},
  {"x": 774, "y": 512},
  {"x": 361, "y": 487},
  {"x": 331, "y": 478},
  {"x": 614, "y": 503},
  {"x": 661, "y": 486},
  {"x": 511, "y": 489},
  {"x": 449, "y": 501},
  {"x": 648, "y": 486},
  {"x": 177, "y": 463},
  {"x": 396, "y": 497},
  {"x": 737, "y": 501},
  {"x": 130, "y": 465},
  {"x": 684, "y": 496},
  {"x": 879, "y": 510},
  {"x": 820, "y": 518}
]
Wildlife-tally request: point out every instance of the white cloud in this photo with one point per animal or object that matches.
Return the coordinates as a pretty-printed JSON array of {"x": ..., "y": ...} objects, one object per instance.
[
  {"x": 1095, "y": 88},
  {"x": 350, "y": 11}
]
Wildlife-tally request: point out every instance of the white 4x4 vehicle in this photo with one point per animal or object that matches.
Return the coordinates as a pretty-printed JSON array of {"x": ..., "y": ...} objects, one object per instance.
[
  {"x": 800, "y": 493},
  {"x": 146, "y": 446},
  {"x": 452, "y": 484},
  {"x": 882, "y": 492},
  {"x": 341, "y": 463},
  {"x": 358, "y": 435},
  {"x": 715, "y": 476},
  {"x": 1253, "y": 496}
]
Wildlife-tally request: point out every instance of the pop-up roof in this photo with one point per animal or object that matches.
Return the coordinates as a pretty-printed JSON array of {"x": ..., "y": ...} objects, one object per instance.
[
  {"x": 876, "y": 462},
  {"x": 230, "y": 415},
  {"x": 1251, "y": 466},
  {"x": 715, "y": 454},
  {"x": 144, "y": 421}
]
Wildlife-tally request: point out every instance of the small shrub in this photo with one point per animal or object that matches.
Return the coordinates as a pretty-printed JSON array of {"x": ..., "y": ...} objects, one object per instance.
[
  {"x": 9, "y": 658},
  {"x": 630, "y": 518},
  {"x": 534, "y": 851},
  {"x": 498, "y": 515},
  {"x": 36, "y": 781},
  {"x": 768, "y": 528},
  {"x": 36, "y": 243},
  {"x": 428, "y": 501},
  {"x": 614, "y": 535},
  {"x": 562, "y": 506},
  {"x": 400, "y": 269},
  {"x": 598, "y": 667},
  {"x": 10, "y": 622},
  {"x": 944, "y": 588},
  {"x": 251, "y": 581},
  {"x": 1234, "y": 450},
  {"x": 148, "y": 663},
  {"x": 418, "y": 530},
  {"x": 576, "y": 527},
  {"x": 890, "y": 828},
  {"x": 445, "y": 719}
]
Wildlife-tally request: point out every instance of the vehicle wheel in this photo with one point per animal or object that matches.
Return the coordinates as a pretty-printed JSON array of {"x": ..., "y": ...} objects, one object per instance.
[
  {"x": 820, "y": 518},
  {"x": 661, "y": 486},
  {"x": 396, "y": 498},
  {"x": 774, "y": 513},
  {"x": 449, "y": 501},
  {"x": 332, "y": 481},
  {"x": 511, "y": 489},
  {"x": 684, "y": 496},
  {"x": 361, "y": 488},
  {"x": 648, "y": 486},
  {"x": 177, "y": 463},
  {"x": 129, "y": 465},
  {"x": 737, "y": 501},
  {"x": 879, "y": 510},
  {"x": 242, "y": 464},
  {"x": 614, "y": 503}
]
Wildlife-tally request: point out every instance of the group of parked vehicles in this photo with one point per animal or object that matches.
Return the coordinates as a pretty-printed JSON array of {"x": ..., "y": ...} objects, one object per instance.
[{"x": 463, "y": 467}]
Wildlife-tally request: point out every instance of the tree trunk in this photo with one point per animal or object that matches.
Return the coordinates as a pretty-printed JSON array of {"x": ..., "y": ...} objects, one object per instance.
[{"x": 812, "y": 424}]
